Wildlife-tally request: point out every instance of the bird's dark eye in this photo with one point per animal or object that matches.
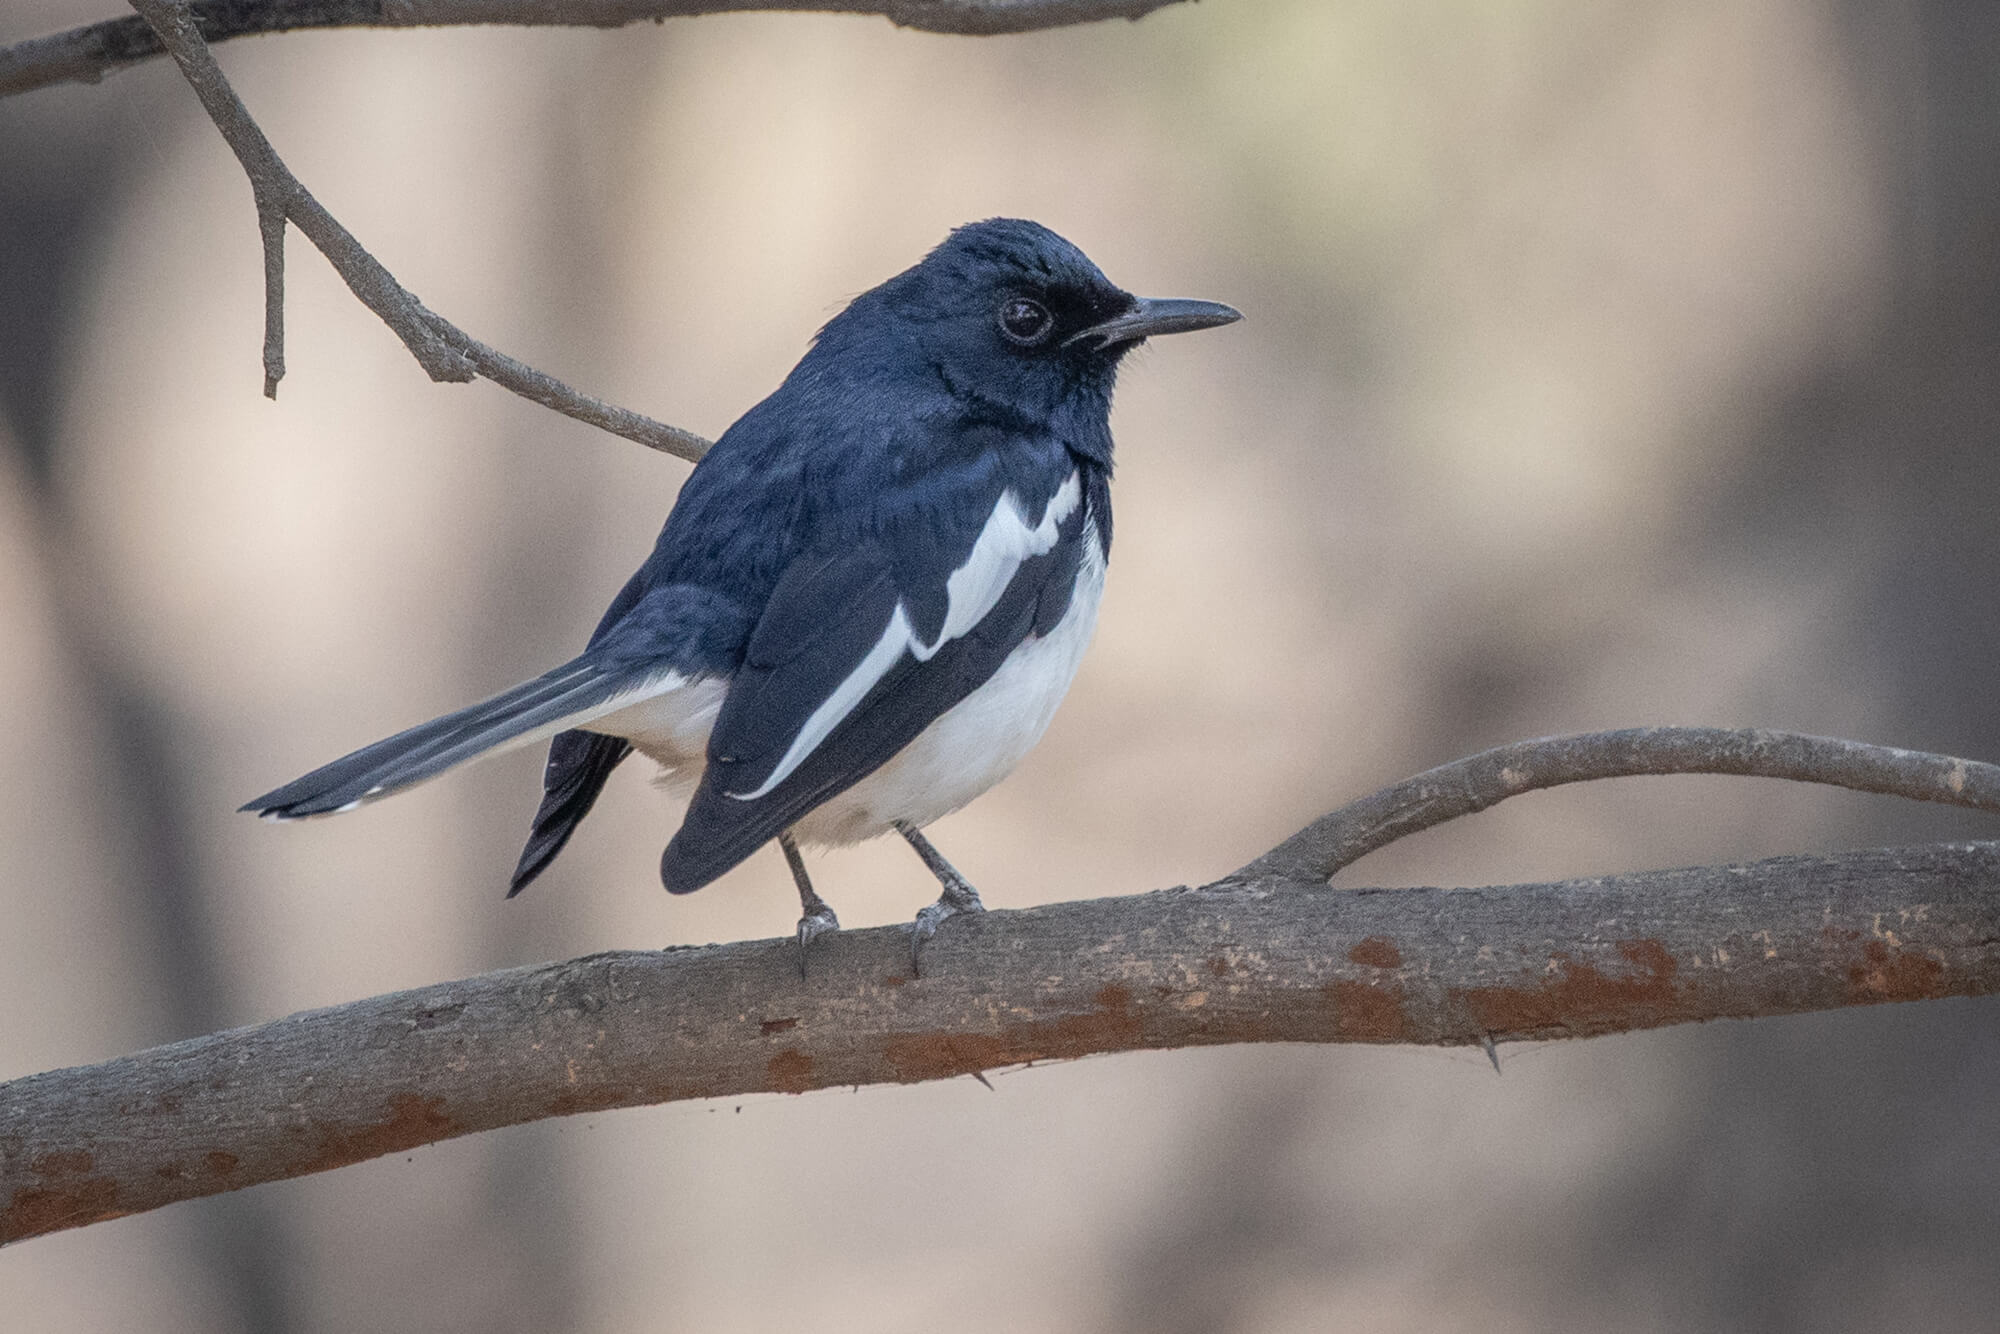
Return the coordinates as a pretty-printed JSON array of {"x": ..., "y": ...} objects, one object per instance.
[{"x": 1025, "y": 322}]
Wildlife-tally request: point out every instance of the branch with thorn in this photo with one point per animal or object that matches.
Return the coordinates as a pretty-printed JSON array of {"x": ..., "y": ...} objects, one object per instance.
[{"x": 1268, "y": 954}]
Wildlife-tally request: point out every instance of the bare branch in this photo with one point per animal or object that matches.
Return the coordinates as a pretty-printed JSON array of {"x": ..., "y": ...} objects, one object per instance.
[
  {"x": 87, "y": 54},
  {"x": 1466, "y": 786},
  {"x": 444, "y": 351},
  {"x": 1268, "y": 960},
  {"x": 550, "y": 392}
]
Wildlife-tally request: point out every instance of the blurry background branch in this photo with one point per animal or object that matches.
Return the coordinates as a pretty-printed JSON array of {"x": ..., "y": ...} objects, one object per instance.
[
  {"x": 88, "y": 53},
  {"x": 1264, "y": 956}
]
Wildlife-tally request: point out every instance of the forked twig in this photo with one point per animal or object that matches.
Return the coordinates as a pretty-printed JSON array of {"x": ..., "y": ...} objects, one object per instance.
[{"x": 444, "y": 350}]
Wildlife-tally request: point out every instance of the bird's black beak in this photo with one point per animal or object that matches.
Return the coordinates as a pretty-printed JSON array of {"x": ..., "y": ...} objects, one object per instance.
[{"x": 1147, "y": 317}]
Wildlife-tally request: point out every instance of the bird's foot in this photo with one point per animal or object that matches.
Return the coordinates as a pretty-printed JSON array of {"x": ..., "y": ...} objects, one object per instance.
[
  {"x": 959, "y": 896},
  {"x": 816, "y": 923},
  {"x": 817, "y": 918},
  {"x": 956, "y": 899}
]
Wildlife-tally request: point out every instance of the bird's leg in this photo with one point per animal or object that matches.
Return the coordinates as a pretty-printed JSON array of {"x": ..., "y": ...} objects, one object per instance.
[
  {"x": 816, "y": 914},
  {"x": 959, "y": 896}
]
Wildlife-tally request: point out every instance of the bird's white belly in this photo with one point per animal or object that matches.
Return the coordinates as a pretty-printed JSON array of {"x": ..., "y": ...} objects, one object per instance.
[
  {"x": 980, "y": 739},
  {"x": 961, "y": 754},
  {"x": 672, "y": 730}
]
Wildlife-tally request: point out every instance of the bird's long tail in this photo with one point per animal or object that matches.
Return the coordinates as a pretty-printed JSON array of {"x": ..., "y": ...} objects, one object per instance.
[{"x": 573, "y": 694}]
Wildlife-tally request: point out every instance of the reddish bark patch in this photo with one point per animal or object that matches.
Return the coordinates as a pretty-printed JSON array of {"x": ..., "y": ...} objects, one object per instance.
[
  {"x": 1366, "y": 1012},
  {"x": 219, "y": 1162},
  {"x": 1886, "y": 974},
  {"x": 62, "y": 1163},
  {"x": 790, "y": 1071},
  {"x": 1218, "y": 967},
  {"x": 1110, "y": 1024},
  {"x": 1650, "y": 955},
  {"x": 413, "y": 1120},
  {"x": 1577, "y": 998},
  {"x": 67, "y": 1197},
  {"x": 588, "y": 1100},
  {"x": 1377, "y": 952},
  {"x": 35, "y": 1211}
]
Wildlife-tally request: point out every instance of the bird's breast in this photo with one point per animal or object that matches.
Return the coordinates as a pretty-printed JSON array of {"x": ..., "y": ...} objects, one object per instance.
[{"x": 979, "y": 740}]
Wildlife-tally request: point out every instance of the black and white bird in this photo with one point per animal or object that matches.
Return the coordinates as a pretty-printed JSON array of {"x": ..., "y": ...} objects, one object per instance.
[{"x": 870, "y": 596}]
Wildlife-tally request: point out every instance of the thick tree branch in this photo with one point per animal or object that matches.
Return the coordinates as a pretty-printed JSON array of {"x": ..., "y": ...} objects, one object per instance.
[
  {"x": 444, "y": 351},
  {"x": 1264, "y": 960},
  {"x": 1466, "y": 786},
  {"x": 87, "y": 54}
]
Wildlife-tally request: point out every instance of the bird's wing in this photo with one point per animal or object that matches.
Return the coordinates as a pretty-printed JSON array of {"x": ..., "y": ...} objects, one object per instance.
[{"x": 858, "y": 650}]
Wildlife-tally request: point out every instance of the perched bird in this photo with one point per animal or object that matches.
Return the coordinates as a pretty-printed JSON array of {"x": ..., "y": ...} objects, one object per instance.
[{"x": 870, "y": 596}]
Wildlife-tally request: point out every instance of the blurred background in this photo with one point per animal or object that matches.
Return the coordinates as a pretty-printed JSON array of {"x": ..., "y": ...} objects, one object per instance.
[{"x": 1606, "y": 364}]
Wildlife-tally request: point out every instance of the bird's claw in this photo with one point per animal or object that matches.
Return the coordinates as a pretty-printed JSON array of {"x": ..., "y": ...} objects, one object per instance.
[
  {"x": 935, "y": 916},
  {"x": 811, "y": 927}
]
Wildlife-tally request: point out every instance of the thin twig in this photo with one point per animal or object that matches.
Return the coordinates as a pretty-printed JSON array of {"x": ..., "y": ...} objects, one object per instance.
[
  {"x": 1271, "y": 960},
  {"x": 271, "y": 231},
  {"x": 550, "y": 392},
  {"x": 1490, "y": 777},
  {"x": 444, "y": 351},
  {"x": 87, "y": 54}
]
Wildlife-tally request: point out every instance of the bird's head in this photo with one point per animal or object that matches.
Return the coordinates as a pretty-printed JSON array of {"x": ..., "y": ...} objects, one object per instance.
[{"x": 1007, "y": 314}]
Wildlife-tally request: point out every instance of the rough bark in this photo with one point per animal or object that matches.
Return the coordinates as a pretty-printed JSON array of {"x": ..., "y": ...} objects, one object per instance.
[{"x": 1260, "y": 960}]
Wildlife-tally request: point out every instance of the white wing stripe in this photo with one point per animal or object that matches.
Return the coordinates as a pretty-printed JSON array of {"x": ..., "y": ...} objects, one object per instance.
[
  {"x": 972, "y": 590},
  {"x": 888, "y": 651}
]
